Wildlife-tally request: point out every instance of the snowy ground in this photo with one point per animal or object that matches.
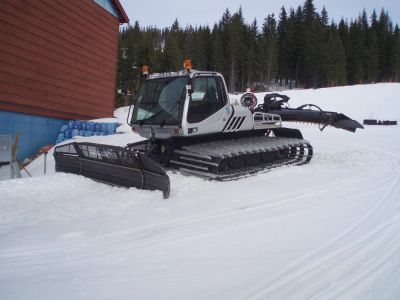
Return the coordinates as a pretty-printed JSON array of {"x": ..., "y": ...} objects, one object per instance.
[{"x": 326, "y": 230}]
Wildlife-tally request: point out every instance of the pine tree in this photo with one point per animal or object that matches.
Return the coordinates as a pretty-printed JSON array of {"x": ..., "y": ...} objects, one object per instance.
[
  {"x": 127, "y": 64},
  {"x": 227, "y": 53},
  {"x": 204, "y": 47},
  {"x": 313, "y": 48},
  {"x": 189, "y": 46},
  {"x": 354, "y": 54},
  {"x": 372, "y": 59},
  {"x": 294, "y": 47},
  {"x": 282, "y": 29},
  {"x": 324, "y": 17},
  {"x": 384, "y": 44},
  {"x": 237, "y": 51},
  {"x": 373, "y": 50},
  {"x": 335, "y": 64},
  {"x": 270, "y": 48},
  {"x": 322, "y": 29},
  {"x": 395, "y": 55},
  {"x": 217, "y": 51},
  {"x": 252, "y": 51},
  {"x": 343, "y": 31},
  {"x": 365, "y": 40},
  {"x": 172, "y": 54}
]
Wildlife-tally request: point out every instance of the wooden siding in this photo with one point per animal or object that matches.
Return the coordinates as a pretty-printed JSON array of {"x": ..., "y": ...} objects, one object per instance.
[{"x": 58, "y": 58}]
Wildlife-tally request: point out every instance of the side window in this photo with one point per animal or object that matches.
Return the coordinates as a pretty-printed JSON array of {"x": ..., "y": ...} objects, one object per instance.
[{"x": 206, "y": 99}]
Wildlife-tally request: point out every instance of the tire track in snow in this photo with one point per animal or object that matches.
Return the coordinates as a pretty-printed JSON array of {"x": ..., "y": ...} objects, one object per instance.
[
  {"x": 372, "y": 255},
  {"x": 378, "y": 248},
  {"x": 346, "y": 268},
  {"x": 198, "y": 226},
  {"x": 187, "y": 228},
  {"x": 294, "y": 273}
]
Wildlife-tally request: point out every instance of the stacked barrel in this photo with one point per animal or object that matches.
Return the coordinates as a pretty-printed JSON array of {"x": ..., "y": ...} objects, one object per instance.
[{"x": 83, "y": 128}]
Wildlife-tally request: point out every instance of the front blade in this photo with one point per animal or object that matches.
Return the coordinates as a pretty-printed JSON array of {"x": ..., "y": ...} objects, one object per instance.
[{"x": 112, "y": 165}]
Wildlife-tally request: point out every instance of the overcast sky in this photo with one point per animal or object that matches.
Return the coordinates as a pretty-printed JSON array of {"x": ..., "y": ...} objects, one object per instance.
[{"x": 162, "y": 13}]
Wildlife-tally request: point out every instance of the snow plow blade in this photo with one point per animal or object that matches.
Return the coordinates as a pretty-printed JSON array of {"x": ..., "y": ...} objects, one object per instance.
[{"x": 112, "y": 165}]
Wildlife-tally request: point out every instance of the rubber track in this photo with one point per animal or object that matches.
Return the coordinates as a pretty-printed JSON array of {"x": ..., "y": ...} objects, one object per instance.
[{"x": 206, "y": 159}]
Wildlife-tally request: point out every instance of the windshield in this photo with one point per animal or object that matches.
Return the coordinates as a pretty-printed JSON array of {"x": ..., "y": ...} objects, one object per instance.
[{"x": 159, "y": 101}]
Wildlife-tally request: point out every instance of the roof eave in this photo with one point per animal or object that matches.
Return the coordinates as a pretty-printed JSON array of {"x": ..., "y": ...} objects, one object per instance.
[{"x": 123, "y": 17}]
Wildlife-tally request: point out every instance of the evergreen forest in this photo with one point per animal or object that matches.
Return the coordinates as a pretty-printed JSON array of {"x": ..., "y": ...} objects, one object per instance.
[{"x": 299, "y": 48}]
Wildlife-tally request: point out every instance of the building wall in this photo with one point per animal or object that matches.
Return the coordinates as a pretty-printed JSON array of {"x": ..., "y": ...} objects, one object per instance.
[
  {"x": 57, "y": 58},
  {"x": 35, "y": 132}
]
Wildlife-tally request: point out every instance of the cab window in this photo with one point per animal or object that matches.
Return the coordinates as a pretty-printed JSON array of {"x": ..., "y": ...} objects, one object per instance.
[{"x": 207, "y": 97}]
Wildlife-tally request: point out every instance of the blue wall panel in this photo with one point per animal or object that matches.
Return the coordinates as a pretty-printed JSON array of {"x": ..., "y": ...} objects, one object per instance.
[{"x": 35, "y": 132}]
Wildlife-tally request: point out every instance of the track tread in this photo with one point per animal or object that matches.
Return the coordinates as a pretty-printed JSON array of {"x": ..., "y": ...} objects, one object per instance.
[{"x": 299, "y": 152}]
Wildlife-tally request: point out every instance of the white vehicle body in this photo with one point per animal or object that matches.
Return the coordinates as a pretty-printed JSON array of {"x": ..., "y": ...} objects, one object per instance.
[{"x": 229, "y": 117}]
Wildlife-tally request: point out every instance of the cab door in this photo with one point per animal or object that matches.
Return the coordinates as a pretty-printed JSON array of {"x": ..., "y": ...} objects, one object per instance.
[{"x": 208, "y": 108}]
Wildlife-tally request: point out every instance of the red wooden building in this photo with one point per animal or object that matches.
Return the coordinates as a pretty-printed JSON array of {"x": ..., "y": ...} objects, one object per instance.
[{"x": 58, "y": 58}]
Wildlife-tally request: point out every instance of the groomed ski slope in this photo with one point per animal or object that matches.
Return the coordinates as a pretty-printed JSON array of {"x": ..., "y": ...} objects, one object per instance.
[{"x": 326, "y": 230}]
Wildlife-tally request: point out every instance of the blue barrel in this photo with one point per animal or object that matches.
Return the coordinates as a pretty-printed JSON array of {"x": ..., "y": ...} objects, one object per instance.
[
  {"x": 60, "y": 136},
  {"x": 78, "y": 125},
  {"x": 116, "y": 125},
  {"x": 103, "y": 127},
  {"x": 89, "y": 126},
  {"x": 103, "y": 133},
  {"x": 81, "y": 132},
  {"x": 87, "y": 133},
  {"x": 68, "y": 134},
  {"x": 109, "y": 127},
  {"x": 63, "y": 128},
  {"x": 71, "y": 124},
  {"x": 97, "y": 127},
  {"x": 75, "y": 132}
]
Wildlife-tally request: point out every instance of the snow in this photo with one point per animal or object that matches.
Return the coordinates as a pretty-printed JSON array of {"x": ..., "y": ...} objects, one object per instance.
[{"x": 326, "y": 230}]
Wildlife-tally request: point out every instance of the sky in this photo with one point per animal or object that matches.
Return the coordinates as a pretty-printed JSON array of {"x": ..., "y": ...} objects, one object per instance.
[{"x": 162, "y": 13}]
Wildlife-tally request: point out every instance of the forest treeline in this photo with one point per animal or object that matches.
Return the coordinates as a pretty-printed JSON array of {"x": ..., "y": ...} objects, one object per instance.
[{"x": 299, "y": 48}]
